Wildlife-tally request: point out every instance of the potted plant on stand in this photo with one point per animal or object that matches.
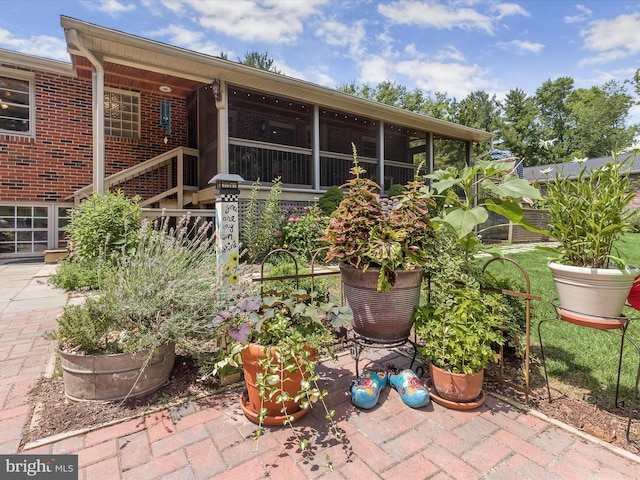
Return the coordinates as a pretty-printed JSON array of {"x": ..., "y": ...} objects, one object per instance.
[
  {"x": 120, "y": 341},
  {"x": 588, "y": 215},
  {"x": 460, "y": 326},
  {"x": 277, "y": 339},
  {"x": 381, "y": 245}
]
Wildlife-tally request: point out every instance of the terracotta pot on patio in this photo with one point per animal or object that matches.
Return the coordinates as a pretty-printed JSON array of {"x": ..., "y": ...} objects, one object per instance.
[
  {"x": 114, "y": 377},
  {"x": 381, "y": 317},
  {"x": 250, "y": 400},
  {"x": 455, "y": 390}
]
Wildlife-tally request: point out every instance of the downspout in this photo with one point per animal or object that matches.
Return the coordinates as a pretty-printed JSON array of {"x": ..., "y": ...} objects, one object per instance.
[{"x": 97, "y": 78}]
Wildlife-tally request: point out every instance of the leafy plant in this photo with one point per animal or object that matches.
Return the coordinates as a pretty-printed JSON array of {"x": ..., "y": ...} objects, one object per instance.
[
  {"x": 104, "y": 223},
  {"x": 589, "y": 213},
  {"x": 367, "y": 231},
  {"x": 261, "y": 221},
  {"x": 460, "y": 325},
  {"x": 468, "y": 194},
  {"x": 289, "y": 327},
  {"x": 301, "y": 234},
  {"x": 75, "y": 273}
]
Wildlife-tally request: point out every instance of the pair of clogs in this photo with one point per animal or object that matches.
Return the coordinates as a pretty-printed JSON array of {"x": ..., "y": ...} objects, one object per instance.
[{"x": 366, "y": 390}]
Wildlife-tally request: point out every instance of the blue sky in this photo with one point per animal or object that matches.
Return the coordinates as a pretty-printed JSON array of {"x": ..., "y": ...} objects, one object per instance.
[{"x": 453, "y": 47}]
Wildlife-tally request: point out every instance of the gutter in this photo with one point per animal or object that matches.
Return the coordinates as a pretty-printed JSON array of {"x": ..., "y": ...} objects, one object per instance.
[{"x": 97, "y": 111}]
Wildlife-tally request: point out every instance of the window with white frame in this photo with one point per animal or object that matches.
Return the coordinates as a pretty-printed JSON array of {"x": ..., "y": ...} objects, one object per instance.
[
  {"x": 16, "y": 103},
  {"x": 121, "y": 113}
]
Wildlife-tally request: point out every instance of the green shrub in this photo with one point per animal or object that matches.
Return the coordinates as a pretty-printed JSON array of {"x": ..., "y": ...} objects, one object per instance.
[
  {"x": 395, "y": 190},
  {"x": 104, "y": 223},
  {"x": 261, "y": 222},
  {"x": 300, "y": 234},
  {"x": 165, "y": 290},
  {"x": 330, "y": 200},
  {"x": 79, "y": 273}
]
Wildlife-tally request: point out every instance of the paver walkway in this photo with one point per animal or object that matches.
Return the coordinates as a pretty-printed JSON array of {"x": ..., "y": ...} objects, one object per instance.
[{"x": 210, "y": 438}]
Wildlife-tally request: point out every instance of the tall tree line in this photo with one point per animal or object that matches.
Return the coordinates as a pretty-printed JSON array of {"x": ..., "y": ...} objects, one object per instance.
[{"x": 571, "y": 122}]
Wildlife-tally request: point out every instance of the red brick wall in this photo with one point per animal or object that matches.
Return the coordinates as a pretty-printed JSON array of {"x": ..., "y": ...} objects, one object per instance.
[{"x": 59, "y": 159}]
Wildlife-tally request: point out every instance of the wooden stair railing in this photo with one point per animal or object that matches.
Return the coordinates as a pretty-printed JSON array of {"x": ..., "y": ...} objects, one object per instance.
[{"x": 185, "y": 193}]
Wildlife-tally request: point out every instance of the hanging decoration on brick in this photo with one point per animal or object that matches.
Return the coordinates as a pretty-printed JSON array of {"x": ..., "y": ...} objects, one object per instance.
[{"x": 165, "y": 115}]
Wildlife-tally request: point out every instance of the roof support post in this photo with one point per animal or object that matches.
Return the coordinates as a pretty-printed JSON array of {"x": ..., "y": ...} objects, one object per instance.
[
  {"x": 381, "y": 155},
  {"x": 223, "y": 129},
  {"x": 97, "y": 104},
  {"x": 315, "y": 152}
]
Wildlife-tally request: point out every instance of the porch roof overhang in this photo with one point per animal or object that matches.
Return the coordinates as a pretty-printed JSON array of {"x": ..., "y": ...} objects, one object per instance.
[{"x": 146, "y": 64}]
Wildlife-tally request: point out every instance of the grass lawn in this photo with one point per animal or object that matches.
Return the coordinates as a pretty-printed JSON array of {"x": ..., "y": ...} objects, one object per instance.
[{"x": 578, "y": 356}]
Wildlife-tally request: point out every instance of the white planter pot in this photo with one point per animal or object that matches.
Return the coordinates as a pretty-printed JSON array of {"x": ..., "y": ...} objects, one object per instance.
[{"x": 599, "y": 292}]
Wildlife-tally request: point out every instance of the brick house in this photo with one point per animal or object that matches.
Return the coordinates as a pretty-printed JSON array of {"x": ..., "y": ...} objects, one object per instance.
[{"x": 160, "y": 121}]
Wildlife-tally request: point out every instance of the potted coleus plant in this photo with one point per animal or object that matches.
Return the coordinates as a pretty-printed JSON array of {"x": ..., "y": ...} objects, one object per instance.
[
  {"x": 381, "y": 245},
  {"x": 277, "y": 339},
  {"x": 588, "y": 215},
  {"x": 159, "y": 293}
]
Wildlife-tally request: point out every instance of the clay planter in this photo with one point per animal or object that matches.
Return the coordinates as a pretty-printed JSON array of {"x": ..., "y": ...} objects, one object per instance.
[
  {"x": 250, "y": 400},
  {"x": 114, "y": 377},
  {"x": 381, "y": 317},
  {"x": 455, "y": 390},
  {"x": 599, "y": 292}
]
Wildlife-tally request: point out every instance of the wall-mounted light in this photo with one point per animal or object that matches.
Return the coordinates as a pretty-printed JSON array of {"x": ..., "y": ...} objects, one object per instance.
[{"x": 217, "y": 92}]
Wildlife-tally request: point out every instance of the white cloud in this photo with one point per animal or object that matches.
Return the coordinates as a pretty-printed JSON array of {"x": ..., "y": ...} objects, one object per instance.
[
  {"x": 506, "y": 9},
  {"x": 431, "y": 14},
  {"x": 275, "y": 21},
  {"x": 343, "y": 35},
  {"x": 110, "y": 7},
  {"x": 583, "y": 15},
  {"x": 443, "y": 74},
  {"x": 519, "y": 46},
  {"x": 612, "y": 39},
  {"x": 190, "y": 39},
  {"x": 454, "y": 79},
  {"x": 39, "y": 45}
]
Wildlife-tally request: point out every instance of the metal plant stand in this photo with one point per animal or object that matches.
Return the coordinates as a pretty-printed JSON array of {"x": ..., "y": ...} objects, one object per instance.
[
  {"x": 359, "y": 343},
  {"x": 613, "y": 325}
]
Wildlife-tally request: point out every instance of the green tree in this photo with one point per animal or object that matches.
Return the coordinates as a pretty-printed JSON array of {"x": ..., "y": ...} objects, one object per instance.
[
  {"x": 479, "y": 110},
  {"x": 518, "y": 129},
  {"x": 598, "y": 119},
  {"x": 260, "y": 60},
  {"x": 554, "y": 117}
]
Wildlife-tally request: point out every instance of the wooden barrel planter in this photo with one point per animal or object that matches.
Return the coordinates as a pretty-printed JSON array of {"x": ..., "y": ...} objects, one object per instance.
[{"x": 117, "y": 376}]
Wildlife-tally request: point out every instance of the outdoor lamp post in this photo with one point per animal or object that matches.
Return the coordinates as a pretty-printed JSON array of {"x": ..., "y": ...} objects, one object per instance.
[{"x": 227, "y": 226}]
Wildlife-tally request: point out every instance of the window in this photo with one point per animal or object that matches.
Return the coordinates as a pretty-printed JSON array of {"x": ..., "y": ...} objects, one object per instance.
[
  {"x": 16, "y": 104},
  {"x": 23, "y": 229},
  {"x": 121, "y": 113}
]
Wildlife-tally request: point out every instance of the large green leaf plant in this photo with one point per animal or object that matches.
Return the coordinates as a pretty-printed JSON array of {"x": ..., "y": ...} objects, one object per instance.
[{"x": 467, "y": 196}]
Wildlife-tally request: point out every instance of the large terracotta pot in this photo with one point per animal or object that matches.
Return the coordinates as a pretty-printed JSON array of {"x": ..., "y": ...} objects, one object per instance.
[
  {"x": 114, "y": 377},
  {"x": 250, "y": 400},
  {"x": 600, "y": 292},
  {"x": 456, "y": 387},
  {"x": 381, "y": 317}
]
